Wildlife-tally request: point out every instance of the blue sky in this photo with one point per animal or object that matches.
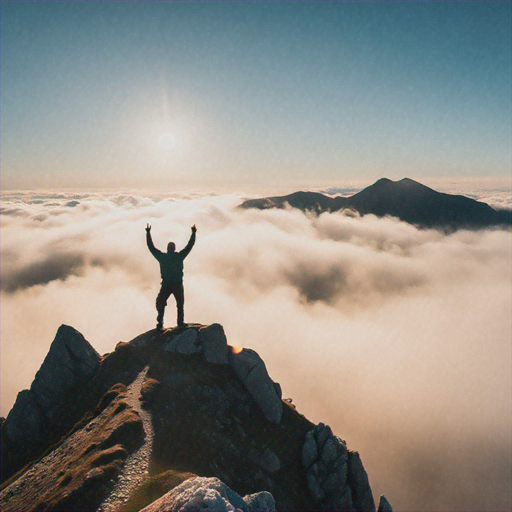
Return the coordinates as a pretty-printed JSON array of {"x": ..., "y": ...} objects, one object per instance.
[{"x": 218, "y": 95}]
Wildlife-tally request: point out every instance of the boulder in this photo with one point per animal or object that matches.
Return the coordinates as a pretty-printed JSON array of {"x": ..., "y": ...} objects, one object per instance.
[
  {"x": 322, "y": 433},
  {"x": 250, "y": 369},
  {"x": 309, "y": 450},
  {"x": 329, "y": 452},
  {"x": 214, "y": 343},
  {"x": 209, "y": 494},
  {"x": 260, "y": 502}
]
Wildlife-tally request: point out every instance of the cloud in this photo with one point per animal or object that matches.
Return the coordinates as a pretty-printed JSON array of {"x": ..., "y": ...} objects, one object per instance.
[
  {"x": 398, "y": 338},
  {"x": 53, "y": 266}
]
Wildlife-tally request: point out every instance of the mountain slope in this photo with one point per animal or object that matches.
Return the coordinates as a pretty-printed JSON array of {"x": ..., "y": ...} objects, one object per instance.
[
  {"x": 406, "y": 199},
  {"x": 168, "y": 421}
]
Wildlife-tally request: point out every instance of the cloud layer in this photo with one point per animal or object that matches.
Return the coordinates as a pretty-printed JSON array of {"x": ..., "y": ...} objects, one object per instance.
[{"x": 398, "y": 338}]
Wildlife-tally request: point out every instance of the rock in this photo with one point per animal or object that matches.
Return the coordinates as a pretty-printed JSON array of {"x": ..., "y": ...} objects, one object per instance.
[
  {"x": 357, "y": 479},
  {"x": 25, "y": 416},
  {"x": 340, "y": 469},
  {"x": 70, "y": 360},
  {"x": 331, "y": 484},
  {"x": 342, "y": 501},
  {"x": 322, "y": 433},
  {"x": 251, "y": 370},
  {"x": 328, "y": 453},
  {"x": 260, "y": 502},
  {"x": 260, "y": 387},
  {"x": 317, "y": 493},
  {"x": 214, "y": 343},
  {"x": 209, "y": 494},
  {"x": 325, "y": 458},
  {"x": 339, "y": 463},
  {"x": 186, "y": 343},
  {"x": 244, "y": 362},
  {"x": 384, "y": 505},
  {"x": 309, "y": 450},
  {"x": 144, "y": 339}
]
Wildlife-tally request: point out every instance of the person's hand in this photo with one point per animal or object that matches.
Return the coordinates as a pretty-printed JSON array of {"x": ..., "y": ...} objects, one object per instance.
[
  {"x": 194, "y": 229},
  {"x": 148, "y": 228}
]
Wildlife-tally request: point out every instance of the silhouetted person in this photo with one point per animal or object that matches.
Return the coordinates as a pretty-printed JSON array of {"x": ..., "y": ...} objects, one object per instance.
[{"x": 171, "y": 269}]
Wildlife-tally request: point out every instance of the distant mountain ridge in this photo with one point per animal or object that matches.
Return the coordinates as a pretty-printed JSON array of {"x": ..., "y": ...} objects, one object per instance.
[{"x": 405, "y": 199}]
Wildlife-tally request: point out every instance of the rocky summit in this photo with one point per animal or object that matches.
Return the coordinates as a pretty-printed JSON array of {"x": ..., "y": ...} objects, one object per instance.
[{"x": 172, "y": 420}]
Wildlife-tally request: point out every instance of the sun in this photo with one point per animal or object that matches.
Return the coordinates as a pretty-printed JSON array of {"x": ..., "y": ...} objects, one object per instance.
[{"x": 166, "y": 141}]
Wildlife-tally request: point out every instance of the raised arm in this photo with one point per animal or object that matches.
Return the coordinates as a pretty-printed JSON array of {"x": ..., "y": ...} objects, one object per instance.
[
  {"x": 192, "y": 240},
  {"x": 154, "y": 251}
]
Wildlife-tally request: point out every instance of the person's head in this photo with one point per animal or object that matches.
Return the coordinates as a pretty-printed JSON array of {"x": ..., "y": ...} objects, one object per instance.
[{"x": 171, "y": 247}]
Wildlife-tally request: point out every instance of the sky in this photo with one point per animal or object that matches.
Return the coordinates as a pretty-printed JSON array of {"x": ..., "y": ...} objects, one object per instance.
[{"x": 227, "y": 96}]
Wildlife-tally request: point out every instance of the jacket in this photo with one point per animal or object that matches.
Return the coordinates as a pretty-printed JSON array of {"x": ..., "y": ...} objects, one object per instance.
[{"x": 171, "y": 263}]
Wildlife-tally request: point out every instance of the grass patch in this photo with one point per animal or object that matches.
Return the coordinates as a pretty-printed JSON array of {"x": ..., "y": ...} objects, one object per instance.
[{"x": 155, "y": 487}]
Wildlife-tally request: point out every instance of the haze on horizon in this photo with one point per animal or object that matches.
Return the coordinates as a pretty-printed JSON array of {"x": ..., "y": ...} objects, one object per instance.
[{"x": 236, "y": 95}]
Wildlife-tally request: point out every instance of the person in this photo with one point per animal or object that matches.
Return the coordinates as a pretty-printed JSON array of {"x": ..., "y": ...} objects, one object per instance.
[{"x": 171, "y": 270}]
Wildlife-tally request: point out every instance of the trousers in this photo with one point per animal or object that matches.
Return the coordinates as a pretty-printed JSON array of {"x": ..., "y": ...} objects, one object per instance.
[{"x": 167, "y": 289}]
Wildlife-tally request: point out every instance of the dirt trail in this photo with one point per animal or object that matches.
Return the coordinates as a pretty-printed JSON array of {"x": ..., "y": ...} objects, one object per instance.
[{"x": 137, "y": 464}]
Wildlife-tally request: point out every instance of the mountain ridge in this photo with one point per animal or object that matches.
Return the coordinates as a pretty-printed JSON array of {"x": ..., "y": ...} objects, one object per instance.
[
  {"x": 405, "y": 199},
  {"x": 220, "y": 434}
]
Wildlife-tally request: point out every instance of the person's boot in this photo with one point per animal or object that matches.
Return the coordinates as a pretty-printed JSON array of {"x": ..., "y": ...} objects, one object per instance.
[{"x": 160, "y": 321}]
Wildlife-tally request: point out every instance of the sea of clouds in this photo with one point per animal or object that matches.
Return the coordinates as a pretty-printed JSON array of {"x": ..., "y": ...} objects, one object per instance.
[{"x": 398, "y": 338}]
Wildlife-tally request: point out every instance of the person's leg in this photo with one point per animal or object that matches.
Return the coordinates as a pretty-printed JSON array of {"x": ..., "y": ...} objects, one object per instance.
[
  {"x": 179, "y": 295},
  {"x": 161, "y": 302}
]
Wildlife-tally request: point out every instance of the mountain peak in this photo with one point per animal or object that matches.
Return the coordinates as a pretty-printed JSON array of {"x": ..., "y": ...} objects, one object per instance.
[
  {"x": 399, "y": 183},
  {"x": 383, "y": 181},
  {"x": 406, "y": 199},
  {"x": 160, "y": 413}
]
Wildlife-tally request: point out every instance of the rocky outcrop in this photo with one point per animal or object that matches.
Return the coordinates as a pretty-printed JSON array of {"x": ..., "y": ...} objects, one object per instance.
[
  {"x": 210, "y": 494},
  {"x": 210, "y": 341},
  {"x": 335, "y": 476},
  {"x": 214, "y": 343},
  {"x": 213, "y": 412},
  {"x": 207, "y": 340},
  {"x": 36, "y": 412},
  {"x": 69, "y": 362},
  {"x": 384, "y": 505}
]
